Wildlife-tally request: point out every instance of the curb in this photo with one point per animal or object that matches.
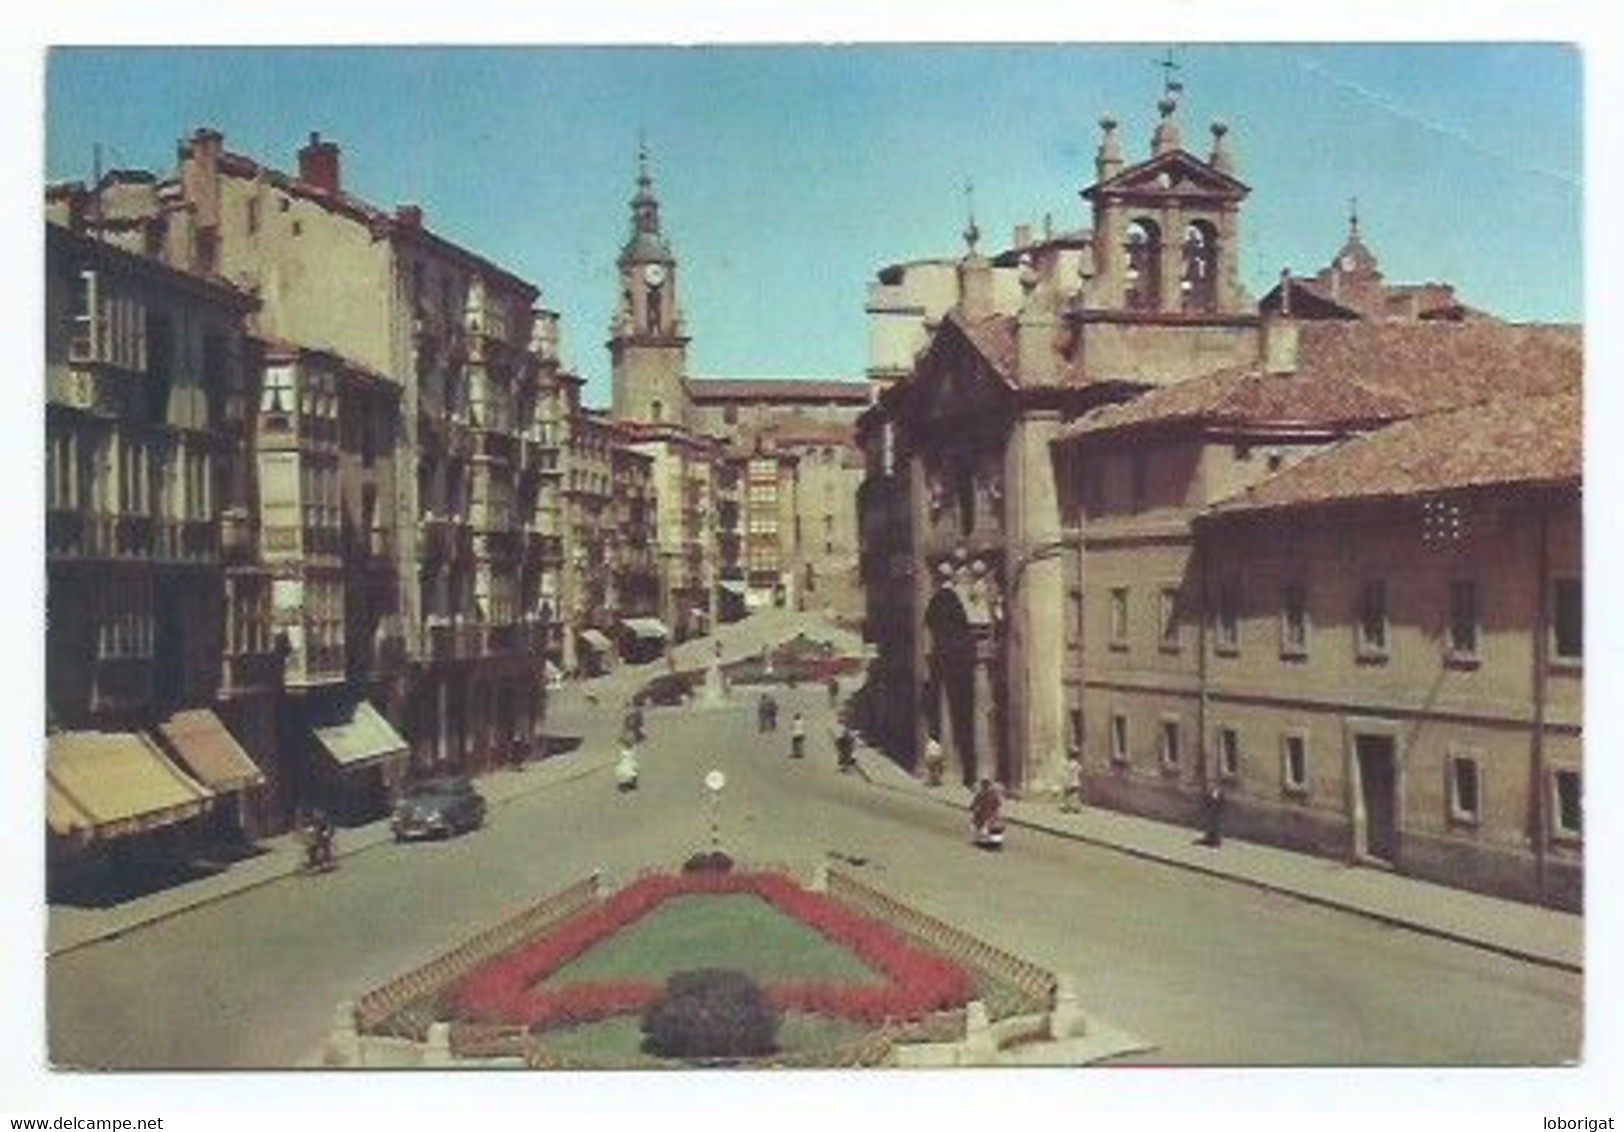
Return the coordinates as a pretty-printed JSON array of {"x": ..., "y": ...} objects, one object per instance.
[
  {"x": 1387, "y": 919},
  {"x": 159, "y": 917}
]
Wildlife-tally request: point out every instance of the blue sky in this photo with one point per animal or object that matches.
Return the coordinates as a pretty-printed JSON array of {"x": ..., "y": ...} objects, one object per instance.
[{"x": 789, "y": 175}]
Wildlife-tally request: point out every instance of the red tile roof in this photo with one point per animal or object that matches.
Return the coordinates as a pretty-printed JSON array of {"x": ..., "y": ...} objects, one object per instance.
[
  {"x": 1359, "y": 373},
  {"x": 1246, "y": 397},
  {"x": 703, "y": 389},
  {"x": 1510, "y": 440}
]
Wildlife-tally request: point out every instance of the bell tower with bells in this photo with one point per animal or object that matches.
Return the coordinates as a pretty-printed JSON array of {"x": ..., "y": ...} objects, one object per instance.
[{"x": 648, "y": 348}]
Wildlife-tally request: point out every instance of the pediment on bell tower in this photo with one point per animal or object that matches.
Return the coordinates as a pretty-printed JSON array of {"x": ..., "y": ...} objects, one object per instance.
[{"x": 1176, "y": 174}]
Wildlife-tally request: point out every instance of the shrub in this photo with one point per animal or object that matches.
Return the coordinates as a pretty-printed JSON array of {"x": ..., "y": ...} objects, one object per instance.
[
  {"x": 711, "y": 1012},
  {"x": 714, "y": 861}
]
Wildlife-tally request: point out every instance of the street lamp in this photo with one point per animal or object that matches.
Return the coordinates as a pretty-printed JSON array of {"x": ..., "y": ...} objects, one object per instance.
[{"x": 714, "y": 781}]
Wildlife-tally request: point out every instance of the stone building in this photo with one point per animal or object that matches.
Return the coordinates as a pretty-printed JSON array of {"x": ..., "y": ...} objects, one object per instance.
[
  {"x": 1206, "y": 645},
  {"x": 965, "y": 558},
  {"x": 413, "y": 500},
  {"x": 161, "y": 671},
  {"x": 748, "y": 439},
  {"x": 1113, "y": 521}
]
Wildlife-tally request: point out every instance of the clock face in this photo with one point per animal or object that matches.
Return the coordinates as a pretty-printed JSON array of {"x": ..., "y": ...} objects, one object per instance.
[{"x": 654, "y": 275}]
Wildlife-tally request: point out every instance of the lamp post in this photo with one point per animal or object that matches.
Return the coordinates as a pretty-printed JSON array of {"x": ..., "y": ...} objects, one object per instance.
[{"x": 714, "y": 781}]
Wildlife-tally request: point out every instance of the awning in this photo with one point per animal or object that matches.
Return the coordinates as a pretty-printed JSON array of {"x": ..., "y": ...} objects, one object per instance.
[
  {"x": 208, "y": 750},
  {"x": 647, "y": 628},
  {"x": 359, "y": 736},
  {"x": 735, "y": 587},
  {"x": 114, "y": 783},
  {"x": 596, "y": 640}
]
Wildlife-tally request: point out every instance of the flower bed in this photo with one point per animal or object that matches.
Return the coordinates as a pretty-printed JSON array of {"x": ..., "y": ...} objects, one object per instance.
[{"x": 507, "y": 989}]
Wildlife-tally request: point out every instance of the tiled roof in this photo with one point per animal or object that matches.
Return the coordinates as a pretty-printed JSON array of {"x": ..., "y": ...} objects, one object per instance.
[
  {"x": 1351, "y": 373},
  {"x": 1439, "y": 365},
  {"x": 1509, "y": 440},
  {"x": 1246, "y": 397},
  {"x": 703, "y": 389}
]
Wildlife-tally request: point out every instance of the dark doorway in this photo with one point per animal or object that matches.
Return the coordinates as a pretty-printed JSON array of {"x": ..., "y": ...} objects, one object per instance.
[{"x": 1377, "y": 788}]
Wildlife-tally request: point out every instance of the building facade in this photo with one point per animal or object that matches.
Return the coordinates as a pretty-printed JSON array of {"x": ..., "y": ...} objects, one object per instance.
[
  {"x": 161, "y": 707},
  {"x": 1136, "y": 520}
]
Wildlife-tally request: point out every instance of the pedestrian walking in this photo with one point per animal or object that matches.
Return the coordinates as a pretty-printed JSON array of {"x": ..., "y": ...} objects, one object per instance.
[
  {"x": 763, "y": 710},
  {"x": 935, "y": 761},
  {"x": 845, "y": 750},
  {"x": 772, "y": 712},
  {"x": 1212, "y": 814},
  {"x": 834, "y": 690},
  {"x": 797, "y": 737},
  {"x": 987, "y": 815},
  {"x": 1071, "y": 792},
  {"x": 626, "y": 768}
]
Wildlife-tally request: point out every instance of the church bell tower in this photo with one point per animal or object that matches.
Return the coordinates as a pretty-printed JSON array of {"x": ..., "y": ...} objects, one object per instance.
[{"x": 648, "y": 349}]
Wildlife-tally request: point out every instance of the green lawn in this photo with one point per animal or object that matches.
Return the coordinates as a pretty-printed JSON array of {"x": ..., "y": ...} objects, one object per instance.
[
  {"x": 616, "y": 1043},
  {"x": 740, "y": 931}
]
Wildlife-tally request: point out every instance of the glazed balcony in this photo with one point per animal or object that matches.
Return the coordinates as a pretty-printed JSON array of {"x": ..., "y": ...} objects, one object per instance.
[
  {"x": 187, "y": 541},
  {"x": 236, "y": 536}
]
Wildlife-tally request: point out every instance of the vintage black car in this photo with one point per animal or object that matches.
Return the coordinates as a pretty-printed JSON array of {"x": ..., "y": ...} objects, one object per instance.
[{"x": 437, "y": 807}]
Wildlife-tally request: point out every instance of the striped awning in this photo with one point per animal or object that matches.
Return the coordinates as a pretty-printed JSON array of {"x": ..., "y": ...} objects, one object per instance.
[
  {"x": 357, "y": 736},
  {"x": 106, "y": 784},
  {"x": 207, "y": 749}
]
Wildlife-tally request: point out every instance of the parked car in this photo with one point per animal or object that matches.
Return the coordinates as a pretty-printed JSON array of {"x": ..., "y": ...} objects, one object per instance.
[{"x": 437, "y": 807}]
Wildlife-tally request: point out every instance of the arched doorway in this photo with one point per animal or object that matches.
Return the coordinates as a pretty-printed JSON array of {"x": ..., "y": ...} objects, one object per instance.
[{"x": 949, "y": 708}]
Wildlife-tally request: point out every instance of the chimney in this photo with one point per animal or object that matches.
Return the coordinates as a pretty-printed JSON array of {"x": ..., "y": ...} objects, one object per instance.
[
  {"x": 410, "y": 215},
  {"x": 1279, "y": 332},
  {"x": 318, "y": 164}
]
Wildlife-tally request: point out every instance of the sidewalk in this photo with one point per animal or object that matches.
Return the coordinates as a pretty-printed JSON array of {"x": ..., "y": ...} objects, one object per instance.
[
  {"x": 69, "y": 928},
  {"x": 1521, "y": 931}
]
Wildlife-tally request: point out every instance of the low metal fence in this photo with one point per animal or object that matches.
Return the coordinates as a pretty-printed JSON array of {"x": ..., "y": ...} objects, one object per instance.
[
  {"x": 1032, "y": 982},
  {"x": 407, "y": 1005}
]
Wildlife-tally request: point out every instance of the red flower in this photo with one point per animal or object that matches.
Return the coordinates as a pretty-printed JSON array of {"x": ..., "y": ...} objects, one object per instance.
[{"x": 506, "y": 989}]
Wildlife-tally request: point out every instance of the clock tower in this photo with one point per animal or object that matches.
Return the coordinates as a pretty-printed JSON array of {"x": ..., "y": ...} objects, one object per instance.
[{"x": 648, "y": 350}]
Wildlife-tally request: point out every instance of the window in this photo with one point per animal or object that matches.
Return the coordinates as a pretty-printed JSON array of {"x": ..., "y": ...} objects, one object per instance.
[
  {"x": 1567, "y": 811},
  {"x": 656, "y": 411},
  {"x": 252, "y": 210},
  {"x": 1119, "y": 617},
  {"x": 1465, "y": 789},
  {"x": 1293, "y": 620},
  {"x": 1294, "y": 763},
  {"x": 1169, "y": 619},
  {"x": 1568, "y": 620},
  {"x": 1074, "y": 619},
  {"x": 1229, "y": 752},
  {"x": 730, "y": 414},
  {"x": 1373, "y": 621},
  {"x": 1119, "y": 738},
  {"x": 1228, "y": 628},
  {"x": 1170, "y": 745},
  {"x": 278, "y": 393},
  {"x": 1463, "y": 620}
]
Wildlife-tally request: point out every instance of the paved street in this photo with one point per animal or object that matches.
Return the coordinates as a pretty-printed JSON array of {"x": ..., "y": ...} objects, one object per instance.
[{"x": 1204, "y": 970}]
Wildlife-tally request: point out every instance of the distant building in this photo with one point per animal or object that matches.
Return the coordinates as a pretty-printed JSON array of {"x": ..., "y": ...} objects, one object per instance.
[{"x": 768, "y": 465}]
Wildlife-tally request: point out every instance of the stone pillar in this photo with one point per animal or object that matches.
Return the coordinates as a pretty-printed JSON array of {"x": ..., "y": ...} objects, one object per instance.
[
  {"x": 984, "y": 714},
  {"x": 1034, "y": 601},
  {"x": 980, "y": 1044},
  {"x": 437, "y": 1049},
  {"x": 1172, "y": 265},
  {"x": 1066, "y": 1019}
]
